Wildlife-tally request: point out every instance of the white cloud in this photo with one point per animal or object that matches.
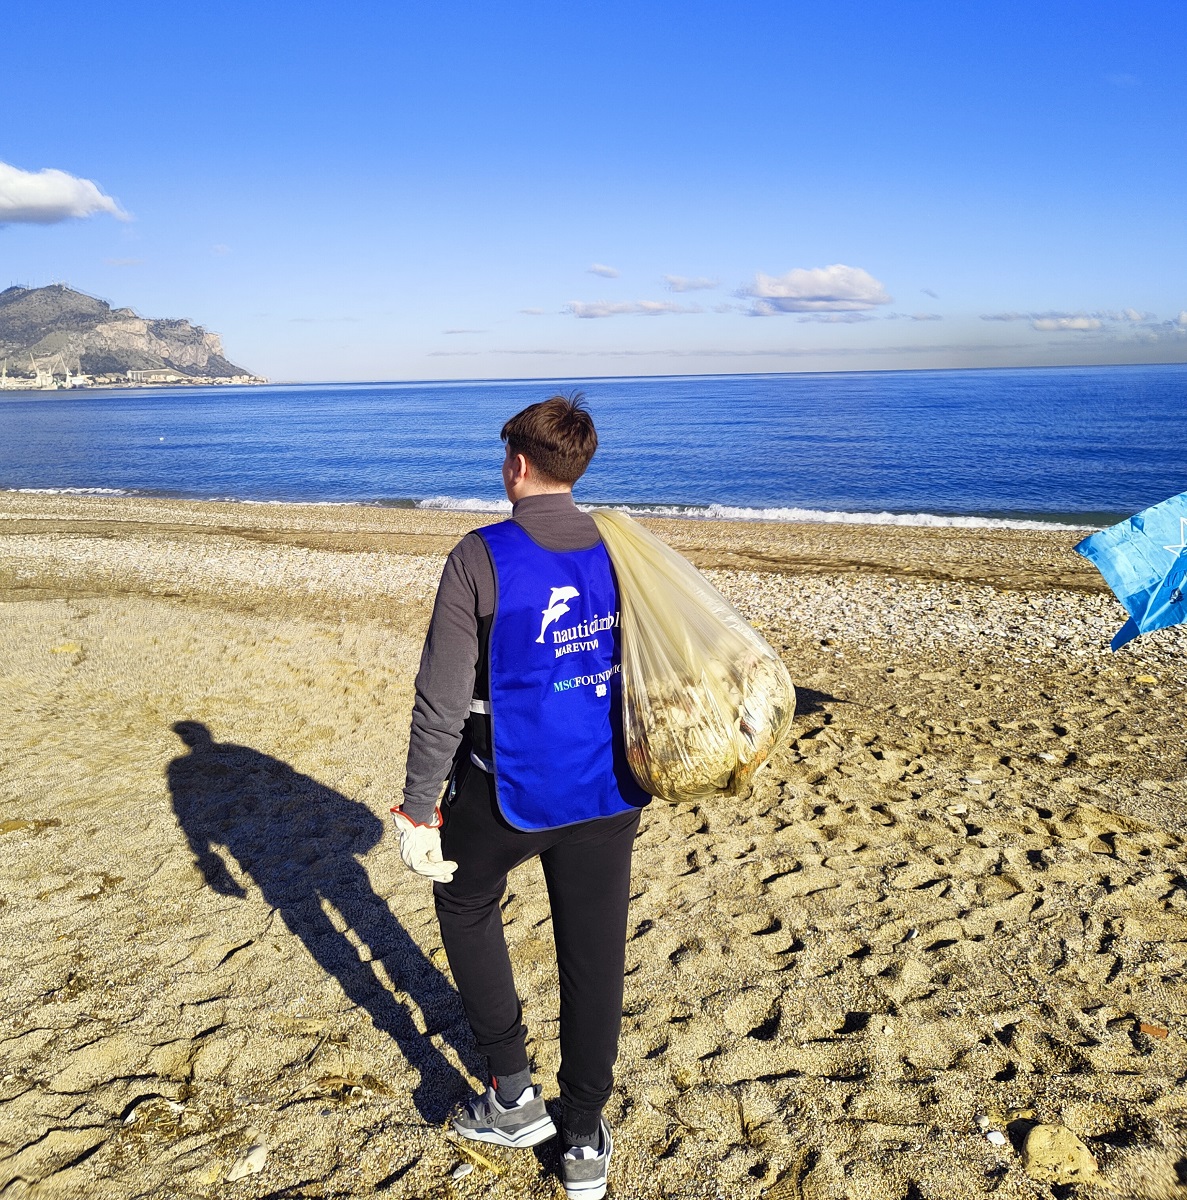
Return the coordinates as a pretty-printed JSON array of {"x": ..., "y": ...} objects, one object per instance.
[
  {"x": 1176, "y": 327},
  {"x": 681, "y": 283},
  {"x": 1155, "y": 331},
  {"x": 1079, "y": 324},
  {"x": 1152, "y": 326},
  {"x": 598, "y": 308},
  {"x": 648, "y": 308},
  {"x": 604, "y": 271},
  {"x": 463, "y": 330},
  {"x": 532, "y": 312},
  {"x": 817, "y": 289},
  {"x": 1074, "y": 320},
  {"x": 1122, "y": 79},
  {"x": 49, "y": 196},
  {"x": 845, "y": 318},
  {"x": 1038, "y": 316},
  {"x": 122, "y": 262},
  {"x": 1122, "y": 326},
  {"x": 652, "y": 308},
  {"x": 929, "y": 292},
  {"x": 916, "y": 316}
]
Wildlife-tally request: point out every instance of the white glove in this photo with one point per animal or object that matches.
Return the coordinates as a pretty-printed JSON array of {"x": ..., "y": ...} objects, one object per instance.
[{"x": 420, "y": 847}]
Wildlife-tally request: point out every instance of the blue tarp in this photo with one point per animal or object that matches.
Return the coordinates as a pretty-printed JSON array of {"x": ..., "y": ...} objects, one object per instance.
[{"x": 1144, "y": 561}]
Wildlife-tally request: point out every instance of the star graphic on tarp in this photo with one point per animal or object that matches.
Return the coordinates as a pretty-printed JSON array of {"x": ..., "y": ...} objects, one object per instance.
[{"x": 1177, "y": 550}]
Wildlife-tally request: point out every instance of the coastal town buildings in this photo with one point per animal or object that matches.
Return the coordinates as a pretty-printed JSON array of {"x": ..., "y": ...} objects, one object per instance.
[{"x": 59, "y": 377}]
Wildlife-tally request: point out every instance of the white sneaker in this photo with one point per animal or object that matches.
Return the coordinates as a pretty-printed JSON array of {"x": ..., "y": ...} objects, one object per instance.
[
  {"x": 524, "y": 1123},
  {"x": 584, "y": 1169}
]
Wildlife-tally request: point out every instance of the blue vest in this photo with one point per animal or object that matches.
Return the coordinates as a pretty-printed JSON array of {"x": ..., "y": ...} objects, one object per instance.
[{"x": 555, "y": 684}]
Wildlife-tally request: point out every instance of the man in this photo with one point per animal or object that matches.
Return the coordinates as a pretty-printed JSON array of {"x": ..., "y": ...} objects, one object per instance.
[{"x": 518, "y": 702}]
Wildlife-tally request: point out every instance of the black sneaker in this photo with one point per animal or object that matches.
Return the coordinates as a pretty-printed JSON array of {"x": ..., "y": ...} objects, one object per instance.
[
  {"x": 584, "y": 1169},
  {"x": 525, "y": 1123}
]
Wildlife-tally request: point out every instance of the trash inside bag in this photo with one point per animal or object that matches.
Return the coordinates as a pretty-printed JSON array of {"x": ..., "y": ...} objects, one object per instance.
[{"x": 704, "y": 698}]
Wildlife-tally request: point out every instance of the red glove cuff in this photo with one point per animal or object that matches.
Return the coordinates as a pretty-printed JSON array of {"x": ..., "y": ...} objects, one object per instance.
[{"x": 435, "y": 823}]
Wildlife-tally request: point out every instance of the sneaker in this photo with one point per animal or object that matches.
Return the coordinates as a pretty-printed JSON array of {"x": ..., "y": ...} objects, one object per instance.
[
  {"x": 584, "y": 1169},
  {"x": 524, "y": 1123}
]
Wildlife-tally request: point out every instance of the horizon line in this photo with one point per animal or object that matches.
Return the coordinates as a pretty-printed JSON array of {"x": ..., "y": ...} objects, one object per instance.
[{"x": 723, "y": 374}]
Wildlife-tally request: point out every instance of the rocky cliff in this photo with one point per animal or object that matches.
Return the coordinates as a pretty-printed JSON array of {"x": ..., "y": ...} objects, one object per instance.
[{"x": 56, "y": 327}]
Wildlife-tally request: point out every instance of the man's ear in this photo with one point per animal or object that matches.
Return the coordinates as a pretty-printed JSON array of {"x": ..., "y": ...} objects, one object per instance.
[{"x": 520, "y": 468}]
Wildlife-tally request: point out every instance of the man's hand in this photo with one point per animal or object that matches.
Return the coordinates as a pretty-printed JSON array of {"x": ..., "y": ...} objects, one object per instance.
[{"x": 420, "y": 847}]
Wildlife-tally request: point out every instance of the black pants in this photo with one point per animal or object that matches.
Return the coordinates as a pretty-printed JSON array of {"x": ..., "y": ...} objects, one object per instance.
[{"x": 587, "y": 869}]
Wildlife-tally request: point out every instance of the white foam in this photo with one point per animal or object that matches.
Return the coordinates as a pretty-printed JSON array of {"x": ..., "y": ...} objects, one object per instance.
[
  {"x": 727, "y": 512},
  {"x": 708, "y": 512},
  {"x": 453, "y": 504},
  {"x": 72, "y": 491}
]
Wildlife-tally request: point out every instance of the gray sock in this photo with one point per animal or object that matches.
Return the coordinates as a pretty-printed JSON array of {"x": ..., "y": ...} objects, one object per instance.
[{"x": 510, "y": 1087}]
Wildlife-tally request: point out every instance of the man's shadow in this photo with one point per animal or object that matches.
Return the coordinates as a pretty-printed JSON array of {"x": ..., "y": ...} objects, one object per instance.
[{"x": 300, "y": 842}]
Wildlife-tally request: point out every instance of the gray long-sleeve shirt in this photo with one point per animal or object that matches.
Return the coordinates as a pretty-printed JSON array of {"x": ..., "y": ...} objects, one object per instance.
[{"x": 461, "y": 615}]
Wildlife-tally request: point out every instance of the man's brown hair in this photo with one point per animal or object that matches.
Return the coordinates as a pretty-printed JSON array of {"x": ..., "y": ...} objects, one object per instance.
[{"x": 556, "y": 436}]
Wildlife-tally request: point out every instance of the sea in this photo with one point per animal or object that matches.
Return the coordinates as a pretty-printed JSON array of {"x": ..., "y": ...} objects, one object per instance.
[{"x": 1080, "y": 447}]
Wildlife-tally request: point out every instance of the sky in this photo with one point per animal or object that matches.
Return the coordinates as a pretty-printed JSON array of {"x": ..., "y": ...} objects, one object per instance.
[{"x": 388, "y": 190}]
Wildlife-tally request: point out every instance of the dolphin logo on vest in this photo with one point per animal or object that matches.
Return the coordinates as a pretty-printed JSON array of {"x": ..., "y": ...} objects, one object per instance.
[{"x": 557, "y": 607}]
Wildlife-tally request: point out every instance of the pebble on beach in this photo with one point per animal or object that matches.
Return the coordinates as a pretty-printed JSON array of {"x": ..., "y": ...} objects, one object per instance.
[
  {"x": 1053, "y": 1154},
  {"x": 250, "y": 1163}
]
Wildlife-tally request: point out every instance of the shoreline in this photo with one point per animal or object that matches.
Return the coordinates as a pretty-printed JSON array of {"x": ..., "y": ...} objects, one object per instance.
[
  {"x": 84, "y": 388},
  {"x": 995, "y": 555},
  {"x": 714, "y": 511},
  {"x": 955, "y": 891}
]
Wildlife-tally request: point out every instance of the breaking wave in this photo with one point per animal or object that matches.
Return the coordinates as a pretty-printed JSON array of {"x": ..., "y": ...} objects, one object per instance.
[
  {"x": 452, "y": 504},
  {"x": 817, "y": 516},
  {"x": 73, "y": 491},
  {"x": 693, "y": 512}
]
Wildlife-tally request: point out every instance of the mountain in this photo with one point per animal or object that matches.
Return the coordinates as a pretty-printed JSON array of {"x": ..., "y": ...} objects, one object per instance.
[{"x": 58, "y": 330}]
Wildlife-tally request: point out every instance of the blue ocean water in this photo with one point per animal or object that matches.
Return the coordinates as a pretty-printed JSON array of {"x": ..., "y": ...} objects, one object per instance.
[{"x": 1075, "y": 445}]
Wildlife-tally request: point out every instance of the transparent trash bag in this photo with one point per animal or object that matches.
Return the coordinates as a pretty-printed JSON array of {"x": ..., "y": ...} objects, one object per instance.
[{"x": 704, "y": 698}]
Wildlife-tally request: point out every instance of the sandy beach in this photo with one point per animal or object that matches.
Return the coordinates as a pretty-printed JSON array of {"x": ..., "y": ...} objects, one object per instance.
[{"x": 959, "y": 891}]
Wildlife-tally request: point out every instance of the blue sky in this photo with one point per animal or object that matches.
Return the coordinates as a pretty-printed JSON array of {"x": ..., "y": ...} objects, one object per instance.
[{"x": 398, "y": 191}]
